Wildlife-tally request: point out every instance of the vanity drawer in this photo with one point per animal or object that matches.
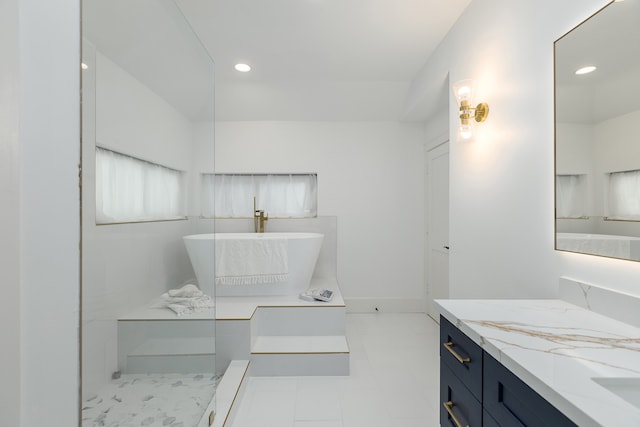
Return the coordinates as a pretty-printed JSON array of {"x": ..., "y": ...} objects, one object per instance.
[
  {"x": 513, "y": 403},
  {"x": 463, "y": 405},
  {"x": 462, "y": 356},
  {"x": 488, "y": 421}
]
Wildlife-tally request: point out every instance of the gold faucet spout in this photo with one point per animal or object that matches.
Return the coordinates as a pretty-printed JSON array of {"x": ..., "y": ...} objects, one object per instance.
[{"x": 259, "y": 217}]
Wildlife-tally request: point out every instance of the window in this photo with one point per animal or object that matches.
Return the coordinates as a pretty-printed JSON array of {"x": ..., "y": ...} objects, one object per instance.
[
  {"x": 134, "y": 190},
  {"x": 623, "y": 195},
  {"x": 279, "y": 195},
  {"x": 570, "y": 196}
]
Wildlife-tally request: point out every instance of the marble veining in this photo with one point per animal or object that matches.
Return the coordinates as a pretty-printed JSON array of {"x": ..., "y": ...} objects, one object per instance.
[
  {"x": 557, "y": 348},
  {"x": 567, "y": 340},
  {"x": 599, "y": 299},
  {"x": 585, "y": 294},
  {"x": 174, "y": 400}
]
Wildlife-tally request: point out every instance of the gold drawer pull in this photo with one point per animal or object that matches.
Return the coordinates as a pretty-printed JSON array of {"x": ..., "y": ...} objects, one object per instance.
[
  {"x": 449, "y": 346},
  {"x": 449, "y": 407}
]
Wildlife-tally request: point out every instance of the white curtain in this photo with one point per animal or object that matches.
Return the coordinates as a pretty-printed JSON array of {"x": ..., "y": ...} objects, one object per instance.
[
  {"x": 133, "y": 190},
  {"x": 624, "y": 195},
  {"x": 279, "y": 195},
  {"x": 570, "y": 195}
]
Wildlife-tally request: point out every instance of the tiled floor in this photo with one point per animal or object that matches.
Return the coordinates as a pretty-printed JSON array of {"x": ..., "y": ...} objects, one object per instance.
[
  {"x": 393, "y": 383},
  {"x": 150, "y": 400}
]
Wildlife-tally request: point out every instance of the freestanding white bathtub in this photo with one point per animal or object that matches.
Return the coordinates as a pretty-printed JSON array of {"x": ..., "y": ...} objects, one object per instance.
[{"x": 302, "y": 252}]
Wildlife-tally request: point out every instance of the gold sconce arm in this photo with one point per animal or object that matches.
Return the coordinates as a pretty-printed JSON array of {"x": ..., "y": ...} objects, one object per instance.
[
  {"x": 479, "y": 113},
  {"x": 463, "y": 91}
]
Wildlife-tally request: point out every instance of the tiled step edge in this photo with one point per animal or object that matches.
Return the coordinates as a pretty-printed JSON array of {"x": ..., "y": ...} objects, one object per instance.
[
  {"x": 228, "y": 394},
  {"x": 300, "y": 356},
  {"x": 315, "y": 344},
  {"x": 299, "y": 364}
]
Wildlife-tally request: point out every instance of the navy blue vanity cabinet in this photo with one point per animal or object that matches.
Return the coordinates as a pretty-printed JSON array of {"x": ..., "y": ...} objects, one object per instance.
[
  {"x": 511, "y": 402},
  {"x": 487, "y": 420},
  {"x": 462, "y": 356},
  {"x": 458, "y": 407},
  {"x": 460, "y": 378},
  {"x": 476, "y": 390}
]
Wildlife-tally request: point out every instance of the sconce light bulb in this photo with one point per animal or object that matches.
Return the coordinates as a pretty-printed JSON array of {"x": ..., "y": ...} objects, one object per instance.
[
  {"x": 464, "y": 93},
  {"x": 465, "y": 131}
]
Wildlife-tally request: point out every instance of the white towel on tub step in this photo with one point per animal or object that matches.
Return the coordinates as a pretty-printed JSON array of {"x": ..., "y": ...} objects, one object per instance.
[
  {"x": 187, "y": 291},
  {"x": 188, "y": 299},
  {"x": 182, "y": 306},
  {"x": 251, "y": 261}
]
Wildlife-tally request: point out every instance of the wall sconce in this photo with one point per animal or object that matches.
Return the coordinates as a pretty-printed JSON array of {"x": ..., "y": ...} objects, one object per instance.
[{"x": 463, "y": 91}]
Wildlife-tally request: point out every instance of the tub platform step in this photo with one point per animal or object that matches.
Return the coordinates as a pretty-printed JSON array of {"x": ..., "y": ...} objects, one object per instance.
[
  {"x": 300, "y": 356},
  {"x": 244, "y": 308},
  {"x": 316, "y": 320},
  {"x": 285, "y": 335},
  {"x": 300, "y": 344}
]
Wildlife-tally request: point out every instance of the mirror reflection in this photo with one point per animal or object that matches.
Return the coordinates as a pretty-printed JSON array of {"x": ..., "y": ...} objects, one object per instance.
[
  {"x": 147, "y": 137},
  {"x": 597, "y": 156}
]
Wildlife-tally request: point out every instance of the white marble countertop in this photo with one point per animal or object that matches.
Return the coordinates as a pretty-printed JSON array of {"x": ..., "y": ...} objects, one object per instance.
[{"x": 557, "y": 348}]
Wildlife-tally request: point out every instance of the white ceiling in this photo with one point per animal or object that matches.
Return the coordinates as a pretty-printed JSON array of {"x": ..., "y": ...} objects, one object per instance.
[
  {"x": 318, "y": 59},
  {"x": 607, "y": 40}
]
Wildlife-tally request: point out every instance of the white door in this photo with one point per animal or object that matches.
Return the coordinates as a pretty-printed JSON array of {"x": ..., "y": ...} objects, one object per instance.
[{"x": 437, "y": 226}]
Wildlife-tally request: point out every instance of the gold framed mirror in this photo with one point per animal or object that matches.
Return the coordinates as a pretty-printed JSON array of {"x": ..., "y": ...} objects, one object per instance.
[{"x": 597, "y": 158}]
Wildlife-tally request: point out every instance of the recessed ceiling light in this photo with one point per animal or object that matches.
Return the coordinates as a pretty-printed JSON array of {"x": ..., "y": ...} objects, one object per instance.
[
  {"x": 585, "y": 70},
  {"x": 84, "y": 66},
  {"x": 243, "y": 68}
]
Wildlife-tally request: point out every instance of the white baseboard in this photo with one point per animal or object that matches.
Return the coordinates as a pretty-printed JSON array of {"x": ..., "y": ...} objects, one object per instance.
[{"x": 388, "y": 305}]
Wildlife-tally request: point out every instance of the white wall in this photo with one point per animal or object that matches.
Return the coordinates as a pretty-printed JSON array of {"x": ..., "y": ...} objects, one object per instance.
[
  {"x": 616, "y": 150},
  {"x": 501, "y": 204},
  {"x": 370, "y": 175},
  {"x": 616, "y": 144},
  {"x": 595, "y": 150},
  {"x": 9, "y": 215},
  {"x": 132, "y": 119},
  {"x": 125, "y": 266},
  {"x": 49, "y": 211},
  {"x": 575, "y": 155}
]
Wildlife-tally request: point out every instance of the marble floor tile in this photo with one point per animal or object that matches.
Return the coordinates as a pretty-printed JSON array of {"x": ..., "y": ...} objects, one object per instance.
[
  {"x": 153, "y": 400},
  {"x": 394, "y": 381}
]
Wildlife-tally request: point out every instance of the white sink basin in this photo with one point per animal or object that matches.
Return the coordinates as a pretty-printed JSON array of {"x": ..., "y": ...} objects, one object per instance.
[{"x": 625, "y": 388}]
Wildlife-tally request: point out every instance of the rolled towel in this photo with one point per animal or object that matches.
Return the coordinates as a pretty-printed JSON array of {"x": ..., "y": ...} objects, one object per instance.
[
  {"x": 191, "y": 305},
  {"x": 187, "y": 291}
]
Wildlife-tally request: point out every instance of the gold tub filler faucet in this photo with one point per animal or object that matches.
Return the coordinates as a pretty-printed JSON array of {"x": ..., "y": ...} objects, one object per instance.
[{"x": 259, "y": 217}]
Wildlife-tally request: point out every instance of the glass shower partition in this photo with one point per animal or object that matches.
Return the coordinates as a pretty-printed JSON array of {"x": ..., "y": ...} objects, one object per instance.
[{"x": 147, "y": 326}]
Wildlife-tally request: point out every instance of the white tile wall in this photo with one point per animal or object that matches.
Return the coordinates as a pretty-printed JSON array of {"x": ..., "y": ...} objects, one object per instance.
[{"x": 394, "y": 381}]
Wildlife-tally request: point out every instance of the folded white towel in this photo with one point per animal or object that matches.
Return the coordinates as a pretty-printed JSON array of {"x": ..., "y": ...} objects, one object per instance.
[
  {"x": 191, "y": 305},
  {"x": 186, "y": 300},
  {"x": 251, "y": 261},
  {"x": 187, "y": 291}
]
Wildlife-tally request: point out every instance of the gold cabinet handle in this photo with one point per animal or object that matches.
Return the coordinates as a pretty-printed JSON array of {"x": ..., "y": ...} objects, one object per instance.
[
  {"x": 449, "y": 407},
  {"x": 449, "y": 346}
]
